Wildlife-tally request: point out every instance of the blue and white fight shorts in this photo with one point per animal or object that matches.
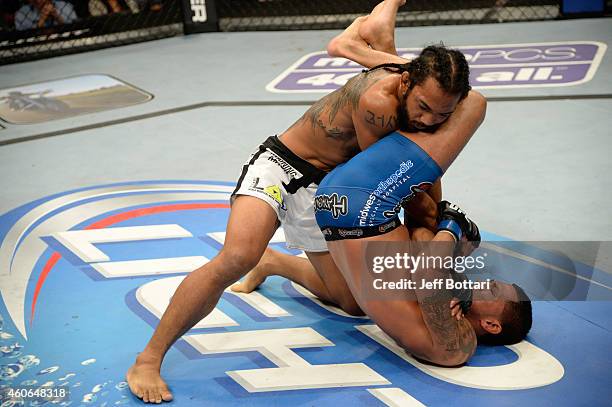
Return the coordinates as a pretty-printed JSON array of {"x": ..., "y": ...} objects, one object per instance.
[{"x": 362, "y": 197}]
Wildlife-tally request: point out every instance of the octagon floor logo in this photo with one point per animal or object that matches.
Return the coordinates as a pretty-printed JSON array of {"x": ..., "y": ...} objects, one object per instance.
[{"x": 87, "y": 274}]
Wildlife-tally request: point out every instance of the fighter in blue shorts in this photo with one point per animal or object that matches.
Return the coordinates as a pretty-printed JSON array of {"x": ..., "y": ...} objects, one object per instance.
[
  {"x": 358, "y": 203},
  {"x": 363, "y": 197}
]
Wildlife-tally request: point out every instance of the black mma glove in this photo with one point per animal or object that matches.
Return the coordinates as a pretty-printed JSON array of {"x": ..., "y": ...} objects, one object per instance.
[{"x": 452, "y": 219}]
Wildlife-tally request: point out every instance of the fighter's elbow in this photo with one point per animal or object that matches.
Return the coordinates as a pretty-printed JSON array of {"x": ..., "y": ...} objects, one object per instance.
[
  {"x": 478, "y": 103},
  {"x": 447, "y": 359},
  {"x": 482, "y": 105},
  {"x": 455, "y": 360},
  {"x": 447, "y": 356}
]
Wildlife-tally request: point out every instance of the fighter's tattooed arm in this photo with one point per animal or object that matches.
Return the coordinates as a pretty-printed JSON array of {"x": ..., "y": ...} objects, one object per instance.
[
  {"x": 388, "y": 122},
  {"x": 330, "y": 113},
  {"x": 326, "y": 122},
  {"x": 375, "y": 116},
  {"x": 334, "y": 132},
  {"x": 453, "y": 341}
]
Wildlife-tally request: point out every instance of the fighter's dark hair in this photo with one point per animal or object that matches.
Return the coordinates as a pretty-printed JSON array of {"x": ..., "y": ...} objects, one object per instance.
[
  {"x": 447, "y": 66},
  {"x": 516, "y": 321}
]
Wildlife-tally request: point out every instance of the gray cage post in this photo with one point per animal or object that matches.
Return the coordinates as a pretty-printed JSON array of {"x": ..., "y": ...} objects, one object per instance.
[{"x": 199, "y": 16}]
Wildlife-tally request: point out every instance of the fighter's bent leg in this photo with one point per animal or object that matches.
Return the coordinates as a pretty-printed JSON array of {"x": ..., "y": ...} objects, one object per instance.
[
  {"x": 349, "y": 38},
  {"x": 318, "y": 274},
  {"x": 349, "y": 257},
  {"x": 378, "y": 29},
  {"x": 351, "y": 46},
  {"x": 294, "y": 268},
  {"x": 334, "y": 281},
  {"x": 251, "y": 224}
]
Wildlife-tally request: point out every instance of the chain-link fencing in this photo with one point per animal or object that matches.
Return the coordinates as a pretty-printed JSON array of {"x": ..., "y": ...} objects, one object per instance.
[
  {"x": 250, "y": 15},
  {"x": 33, "y": 29}
]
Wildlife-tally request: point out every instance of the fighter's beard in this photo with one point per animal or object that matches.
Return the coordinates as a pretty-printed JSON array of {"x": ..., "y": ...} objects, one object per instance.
[
  {"x": 404, "y": 122},
  {"x": 403, "y": 116}
]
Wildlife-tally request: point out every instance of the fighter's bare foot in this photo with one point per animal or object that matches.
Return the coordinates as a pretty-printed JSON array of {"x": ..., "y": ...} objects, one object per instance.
[
  {"x": 254, "y": 278},
  {"x": 378, "y": 29},
  {"x": 146, "y": 383},
  {"x": 251, "y": 281}
]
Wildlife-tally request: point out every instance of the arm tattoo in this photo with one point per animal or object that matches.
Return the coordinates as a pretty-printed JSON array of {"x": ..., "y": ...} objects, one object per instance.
[
  {"x": 371, "y": 118},
  {"x": 347, "y": 97},
  {"x": 382, "y": 121},
  {"x": 392, "y": 123},
  {"x": 321, "y": 124},
  {"x": 334, "y": 132},
  {"x": 447, "y": 333}
]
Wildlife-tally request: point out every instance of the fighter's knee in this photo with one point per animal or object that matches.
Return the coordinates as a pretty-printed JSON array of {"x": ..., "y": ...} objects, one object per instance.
[{"x": 238, "y": 261}]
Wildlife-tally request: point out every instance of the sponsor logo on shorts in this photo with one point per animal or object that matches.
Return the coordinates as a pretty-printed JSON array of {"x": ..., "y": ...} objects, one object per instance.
[
  {"x": 337, "y": 205},
  {"x": 350, "y": 232},
  {"x": 384, "y": 187},
  {"x": 273, "y": 191},
  {"x": 529, "y": 65},
  {"x": 394, "y": 178},
  {"x": 422, "y": 187},
  {"x": 327, "y": 232},
  {"x": 396, "y": 209},
  {"x": 384, "y": 228},
  {"x": 284, "y": 165},
  {"x": 414, "y": 189}
]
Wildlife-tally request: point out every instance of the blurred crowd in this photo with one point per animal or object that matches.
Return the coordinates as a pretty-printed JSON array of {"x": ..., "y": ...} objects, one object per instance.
[{"x": 33, "y": 14}]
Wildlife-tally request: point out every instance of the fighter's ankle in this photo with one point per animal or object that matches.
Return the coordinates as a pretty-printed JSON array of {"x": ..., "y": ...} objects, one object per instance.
[{"x": 146, "y": 358}]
